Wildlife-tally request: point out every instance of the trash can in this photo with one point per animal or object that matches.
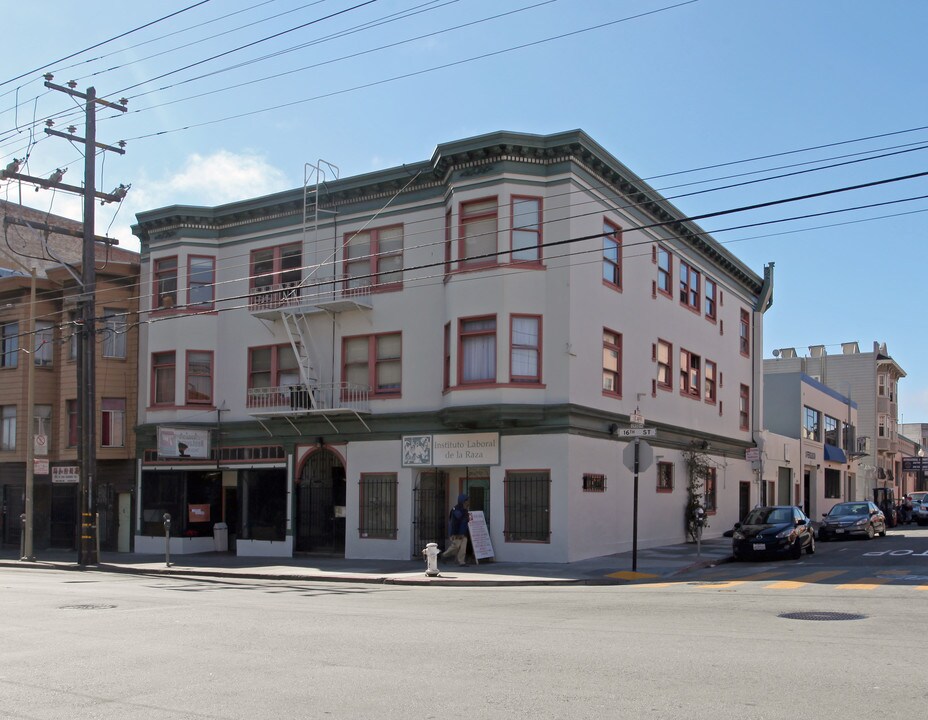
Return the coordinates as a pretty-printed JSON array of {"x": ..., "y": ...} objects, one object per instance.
[{"x": 221, "y": 537}]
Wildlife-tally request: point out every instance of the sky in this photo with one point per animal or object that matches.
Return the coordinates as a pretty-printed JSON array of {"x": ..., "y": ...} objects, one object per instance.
[{"x": 718, "y": 104}]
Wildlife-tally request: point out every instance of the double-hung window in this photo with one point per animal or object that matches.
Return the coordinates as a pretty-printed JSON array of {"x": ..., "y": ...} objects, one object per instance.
[
  {"x": 374, "y": 259},
  {"x": 199, "y": 377},
  {"x": 114, "y": 333},
  {"x": 664, "y": 365},
  {"x": 711, "y": 382},
  {"x": 744, "y": 333},
  {"x": 201, "y": 281},
  {"x": 9, "y": 345},
  {"x": 114, "y": 422},
  {"x": 163, "y": 369},
  {"x": 525, "y": 349},
  {"x": 477, "y": 343},
  {"x": 272, "y": 366},
  {"x": 612, "y": 363},
  {"x": 374, "y": 361},
  {"x": 8, "y": 427},
  {"x": 712, "y": 292},
  {"x": 690, "y": 374},
  {"x": 71, "y": 412},
  {"x": 744, "y": 407},
  {"x": 276, "y": 273},
  {"x": 526, "y": 229},
  {"x": 612, "y": 254},
  {"x": 664, "y": 271},
  {"x": 165, "y": 276},
  {"x": 689, "y": 286},
  {"x": 44, "y": 343},
  {"x": 479, "y": 228}
]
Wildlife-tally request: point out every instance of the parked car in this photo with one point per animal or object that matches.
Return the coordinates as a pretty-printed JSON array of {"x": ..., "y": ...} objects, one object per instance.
[
  {"x": 852, "y": 518},
  {"x": 773, "y": 530},
  {"x": 920, "y": 509}
]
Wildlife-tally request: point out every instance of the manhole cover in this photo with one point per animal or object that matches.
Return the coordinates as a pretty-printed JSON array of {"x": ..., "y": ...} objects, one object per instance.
[
  {"x": 86, "y": 607},
  {"x": 822, "y": 616}
]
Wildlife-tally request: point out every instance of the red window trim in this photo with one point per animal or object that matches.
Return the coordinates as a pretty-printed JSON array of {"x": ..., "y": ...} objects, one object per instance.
[
  {"x": 372, "y": 363},
  {"x": 616, "y": 236},
  {"x": 525, "y": 379},
  {"x": 374, "y": 256},
  {"x": 689, "y": 290},
  {"x": 744, "y": 416},
  {"x": 715, "y": 381},
  {"x": 539, "y": 232},
  {"x": 669, "y": 384},
  {"x": 277, "y": 269},
  {"x": 199, "y": 403},
  {"x": 156, "y": 275},
  {"x": 661, "y": 291},
  {"x": 713, "y": 316},
  {"x": 688, "y": 389},
  {"x": 744, "y": 333},
  {"x": 618, "y": 348},
  {"x": 154, "y": 367},
  {"x": 275, "y": 363},
  {"x": 659, "y": 488},
  {"x": 485, "y": 382},
  {"x": 464, "y": 219}
]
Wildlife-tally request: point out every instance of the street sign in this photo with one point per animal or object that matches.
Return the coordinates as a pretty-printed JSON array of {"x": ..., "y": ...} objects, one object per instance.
[
  {"x": 40, "y": 466},
  {"x": 636, "y": 432},
  {"x": 645, "y": 456},
  {"x": 40, "y": 444},
  {"x": 752, "y": 454},
  {"x": 915, "y": 463}
]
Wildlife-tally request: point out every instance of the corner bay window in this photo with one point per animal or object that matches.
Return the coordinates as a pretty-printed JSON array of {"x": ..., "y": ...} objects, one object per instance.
[
  {"x": 527, "y": 499},
  {"x": 165, "y": 277},
  {"x": 525, "y": 359},
  {"x": 526, "y": 229},
  {"x": 477, "y": 342},
  {"x": 201, "y": 280},
  {"x": 478, "y": 236},
  {"x": 199, "y": 377},
  {"x": 162, "y": 369}
]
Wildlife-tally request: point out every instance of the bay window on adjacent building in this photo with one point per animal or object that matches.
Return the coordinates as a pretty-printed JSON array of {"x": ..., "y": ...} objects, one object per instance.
[
  {"x": 199, "y": 378},
  {"x": 374, "y": 361},
  {"x": 374, "y": 259},
  {"x": 113, "y": 430},
  {"x": 527, "y": 506},
  {"x": 526, "y": 229},
  {"x": 525, "y": 349},
  {"x": 612, "y": 254},
  {"x": 478, "y": 236},
  {"x": 163, "y": 374},
  {"x": 114, "y": 328},
  {"x": 477, "y": 343},
  {"x": 8, "y": 427},
  {"x": 612, "y": 363}
]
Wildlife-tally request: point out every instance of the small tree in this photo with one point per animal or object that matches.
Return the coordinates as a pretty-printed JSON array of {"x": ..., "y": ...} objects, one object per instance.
[{"x": 697, "y": 467}]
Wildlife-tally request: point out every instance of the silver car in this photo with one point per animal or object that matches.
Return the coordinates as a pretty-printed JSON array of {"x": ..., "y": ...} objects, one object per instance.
[{"x": 852, "y": 518}]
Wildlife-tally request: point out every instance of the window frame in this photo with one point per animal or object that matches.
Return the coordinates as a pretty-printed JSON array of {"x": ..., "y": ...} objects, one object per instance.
[
  {"x": 112, "y": 422},
  {"x": 811, "y": 424},
  {"x": 193, "y": 286},
  {"x": 711, "y": 301},
  {"x": 744, "y": 333},
  {"x": 744, "y": 407},
  {"x": 163, "y": 367},
  {"x": 9, "y": 345},
  {"x": 538, "y": 518},
  {"x": 536, "y": 349},
  {"x": 164, "y": 278},
  {"x": 277, "y": 271},
  {"x": 43, "y": 343},
  {"x": 537, "y": 231},
  {"x": 612, "y": 243},
  {"x": 612, "y": 347},
  {"x": 374, "y": 362},
  {"x": 664, "y": 275},
  {"x": 668, "y": 385},
  {"x": 690, "y": 286},
  {"x": 664, "y": 477},
  {"x": 710, "y": 384},
  {"x": 208, "y": 354},
  {"x": 371, "y": 281},
  {"x": 70, "y": 410},
  {"x": 465, "y": 219},
  {"x": 115, "y": 329},
  {"x": 275, "y": 369},
  {"x": 8, "y": 428},
  {"x": 710, "y": 486},
  {"x": 464, "y": 335},
  {"x": 690, "y": 384},
  {"x": 388, "y": 481}
]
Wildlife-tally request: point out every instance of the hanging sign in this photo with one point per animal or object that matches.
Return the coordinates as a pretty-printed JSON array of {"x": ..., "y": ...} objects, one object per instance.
[
  {"x": 66, "y": 474},
  {"x": 183, "y": 443}
]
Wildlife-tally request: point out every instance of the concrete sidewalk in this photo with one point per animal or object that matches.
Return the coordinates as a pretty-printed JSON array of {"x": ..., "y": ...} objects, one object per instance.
[{"x": 653, "y": 565}]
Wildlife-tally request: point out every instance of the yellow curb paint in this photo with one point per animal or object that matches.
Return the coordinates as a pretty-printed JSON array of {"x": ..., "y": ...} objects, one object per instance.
[
  {"x": 629, "y": 575},
  {"x": 739, "y": 581},
  {"x": 804, "y": 580},
  {"x": 864, "y": 584}
]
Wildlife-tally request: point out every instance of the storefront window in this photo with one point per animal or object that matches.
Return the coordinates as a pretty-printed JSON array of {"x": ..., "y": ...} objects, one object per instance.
[{"x": 265, "y": 506}]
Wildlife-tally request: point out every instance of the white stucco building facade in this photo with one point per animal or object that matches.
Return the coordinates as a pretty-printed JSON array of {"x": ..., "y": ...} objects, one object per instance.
[{"x": 340, "y": 361}]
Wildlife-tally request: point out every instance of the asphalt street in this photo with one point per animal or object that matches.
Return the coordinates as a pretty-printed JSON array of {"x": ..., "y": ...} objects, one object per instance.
[{"x": 825, "y": 636}]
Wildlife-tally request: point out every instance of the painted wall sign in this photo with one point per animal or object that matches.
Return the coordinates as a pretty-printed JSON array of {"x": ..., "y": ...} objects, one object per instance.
[
  {"x": 183, "y": 443},
  {"x": 449, "y": 450}
]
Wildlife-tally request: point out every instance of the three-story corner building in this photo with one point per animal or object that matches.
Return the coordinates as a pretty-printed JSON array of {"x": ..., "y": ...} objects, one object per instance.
[
  {"x": 47, "y": 442},
  {"x": 326, "y": 369}
]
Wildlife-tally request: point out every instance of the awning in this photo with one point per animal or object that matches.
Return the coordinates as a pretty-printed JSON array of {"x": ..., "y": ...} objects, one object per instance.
[{"x": 834, "y": 454}]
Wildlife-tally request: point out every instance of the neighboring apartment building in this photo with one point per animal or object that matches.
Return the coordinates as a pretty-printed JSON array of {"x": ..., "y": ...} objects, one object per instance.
[
  {"x": 914, "y": 457},
  {"x": 811, "y": 457},
  {"x": 326, "y": 369},
  {"x": 53, "y": 427},
  {"x": 870, "y": 380}
]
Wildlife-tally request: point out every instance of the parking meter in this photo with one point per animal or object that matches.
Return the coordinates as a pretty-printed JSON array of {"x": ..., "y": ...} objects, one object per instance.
[{"x": 167, "y": 539}]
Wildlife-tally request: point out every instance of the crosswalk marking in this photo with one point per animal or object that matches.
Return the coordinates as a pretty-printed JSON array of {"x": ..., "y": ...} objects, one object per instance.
[
  {"x": 741, "y": 581},
  {"x": 804, "y": 580},
  {"x": 864, "y": 584}
]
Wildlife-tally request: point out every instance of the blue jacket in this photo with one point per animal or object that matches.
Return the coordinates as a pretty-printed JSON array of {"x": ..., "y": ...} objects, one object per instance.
[{"x": 458, "y": 519}]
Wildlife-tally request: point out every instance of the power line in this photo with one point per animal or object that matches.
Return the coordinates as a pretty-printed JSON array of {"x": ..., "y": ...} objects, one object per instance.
[{"x": 104, "y": 42}]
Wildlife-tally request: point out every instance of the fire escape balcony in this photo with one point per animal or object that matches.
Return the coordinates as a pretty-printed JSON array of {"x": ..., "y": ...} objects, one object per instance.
[
  {"x": 311, "y": 296},
  {"x": 320, "y": 399}
]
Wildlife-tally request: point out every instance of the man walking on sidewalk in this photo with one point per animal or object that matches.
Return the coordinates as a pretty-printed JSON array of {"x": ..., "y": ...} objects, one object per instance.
[{"x": 457, "y": 521}]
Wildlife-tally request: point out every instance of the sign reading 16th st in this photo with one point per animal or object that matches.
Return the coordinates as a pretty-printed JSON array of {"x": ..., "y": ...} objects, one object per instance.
[{"x": 636, "y": 432}]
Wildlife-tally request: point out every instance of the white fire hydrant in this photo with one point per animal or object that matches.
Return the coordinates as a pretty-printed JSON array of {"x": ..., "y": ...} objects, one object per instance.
[{"x": 431, "y": 559}]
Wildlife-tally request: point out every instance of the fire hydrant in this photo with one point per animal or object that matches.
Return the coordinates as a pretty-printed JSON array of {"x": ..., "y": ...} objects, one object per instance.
[{"x": 431, "y": 559}]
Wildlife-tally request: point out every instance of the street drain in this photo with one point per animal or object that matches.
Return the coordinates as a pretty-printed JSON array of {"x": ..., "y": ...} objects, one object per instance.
[
  {"x": 86, "y": 607},
  {"x": 822, "y": 616}
]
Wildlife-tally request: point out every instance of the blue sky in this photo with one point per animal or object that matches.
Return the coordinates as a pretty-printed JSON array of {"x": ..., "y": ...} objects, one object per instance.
[{"x": 666, "y": 87}]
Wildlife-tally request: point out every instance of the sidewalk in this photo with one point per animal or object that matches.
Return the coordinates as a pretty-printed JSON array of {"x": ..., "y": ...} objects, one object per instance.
[{"x": 653, "y": 565}]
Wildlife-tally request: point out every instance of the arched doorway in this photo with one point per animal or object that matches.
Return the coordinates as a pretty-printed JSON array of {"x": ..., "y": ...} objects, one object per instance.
[{"x": 320, "y": 525}]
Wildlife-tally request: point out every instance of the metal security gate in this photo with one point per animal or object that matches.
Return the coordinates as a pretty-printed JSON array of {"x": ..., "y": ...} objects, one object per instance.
[
  {"x": 430, "y": 511},
  {"x": 320, "y": 514}
]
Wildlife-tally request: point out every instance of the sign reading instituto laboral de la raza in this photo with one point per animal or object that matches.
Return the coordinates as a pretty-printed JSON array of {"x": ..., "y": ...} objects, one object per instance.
[
  {"x": 174, "y": 442},
  {"x": 445, "y": 450}
]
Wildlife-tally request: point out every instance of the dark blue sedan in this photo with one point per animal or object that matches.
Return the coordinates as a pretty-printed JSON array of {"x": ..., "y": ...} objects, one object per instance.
[{"x": 773, "y": 531}]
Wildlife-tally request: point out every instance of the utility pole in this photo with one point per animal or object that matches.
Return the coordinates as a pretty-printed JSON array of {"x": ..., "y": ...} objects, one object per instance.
[{"x": 86, "y": 355}]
